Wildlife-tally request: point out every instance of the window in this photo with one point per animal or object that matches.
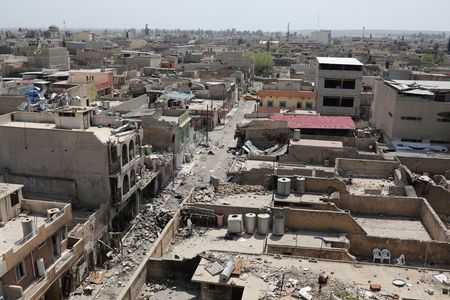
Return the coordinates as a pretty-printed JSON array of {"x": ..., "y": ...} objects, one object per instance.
[
  {"x": 347, "y": 102},
  {"x": 299, "y": 105},
  {"x": 338, "y": 101},
  {"x": 131, "y": 150},
  {"x": 124, "y": 155},
  {"x": 340, "y": 67},
  {"x": 14, "y": 198},
  {"x": 125, "y": 184},
  {"x": 411, "y": 140},
  {"x": 309, "y": 106},
  {"x": 411, "y": 118},
  {"x": 332, "y": 83},
  {"x": 269, "y": 103},
  {"x": 331, "y": 101},
  {"x": 66, "y": 114},
  {"x": 439, "y": 142},
  {"x": 282, "y": 104},
  {"x": 339, "y": 84},
  {"x": 348, "y": 84},
  {"x": 21, "y": 271},
  {"x": 445, "y": 120},
  {"x": 390, "y": 114}
]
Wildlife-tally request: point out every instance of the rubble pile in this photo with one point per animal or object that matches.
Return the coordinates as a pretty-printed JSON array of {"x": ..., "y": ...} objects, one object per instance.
[
  {"x": 146, "y": 228},
  {"x": 160, "y": 289},
  {"x": 232, "y": 189}
]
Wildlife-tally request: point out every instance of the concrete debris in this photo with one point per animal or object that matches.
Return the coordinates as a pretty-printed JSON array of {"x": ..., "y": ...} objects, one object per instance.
[{"x": 232, "y": 189}]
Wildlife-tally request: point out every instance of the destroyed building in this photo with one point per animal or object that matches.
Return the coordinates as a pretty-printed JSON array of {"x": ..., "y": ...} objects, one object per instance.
[{"x": 65, "y": 156}]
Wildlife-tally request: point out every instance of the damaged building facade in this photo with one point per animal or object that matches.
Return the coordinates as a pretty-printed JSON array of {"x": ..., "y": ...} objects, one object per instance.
[{"x": 67, "y": 156}]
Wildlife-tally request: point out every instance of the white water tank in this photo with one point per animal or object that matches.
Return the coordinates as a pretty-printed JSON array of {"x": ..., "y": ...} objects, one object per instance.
[
  {"x": 284, "y": 186},
  {"x": 27, "y": 227},
  {"x": 301, "y": 185},
  {"x": 296, "y": 135},
  {"x": 250, "y": 223},
  {"x": 40, "y": 266},
  {"x": 235, "y": 224},
  {"x": 278, "y": 224},
  {"x": 263, "y": 223}
]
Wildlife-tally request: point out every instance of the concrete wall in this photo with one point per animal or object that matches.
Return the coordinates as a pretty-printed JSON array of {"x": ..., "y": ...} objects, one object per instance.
[
  {"x": 415, "y": 251},
  {"x": 431, "y": 165},
  {"x": 299, "y": 219},
  {"x": 438, "y": 197},
  {"x": 324, "y": 253},
  {"x": 9, "y": 103},
  {"x": 380, "y": 205},
  {"x": 299, "y": 154},
  {"x": 59, "y": 154},
  {"x": 365, "y": 168}
]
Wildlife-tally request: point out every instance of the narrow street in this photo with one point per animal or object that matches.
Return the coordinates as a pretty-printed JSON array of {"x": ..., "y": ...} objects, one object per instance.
[
  {"x": 216, "y": 159},
  {"x": 213, "y": 160}
]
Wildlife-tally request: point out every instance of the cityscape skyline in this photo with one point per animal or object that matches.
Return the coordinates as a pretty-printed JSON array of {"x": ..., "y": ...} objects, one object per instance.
[{"x": 324, "y": 14}]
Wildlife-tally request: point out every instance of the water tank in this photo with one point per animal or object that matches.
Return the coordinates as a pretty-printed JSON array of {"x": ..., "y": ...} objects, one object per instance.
[
  {"x": 106, "y": 104},
  {"x": 227, "y": 271},
  {"x": 235, "y": 224},
  {"x": 284, "y": 186},
  {"x": 40, "y": 266},
  {"x": 278, "y": 224},
  {"x": 301, "y": 185},
  {"x": 250, "y": 223},
  {"x": 296, "y": 135},
  {"x": 263, "y": 223},
  {"x": 27, "y": 227}
]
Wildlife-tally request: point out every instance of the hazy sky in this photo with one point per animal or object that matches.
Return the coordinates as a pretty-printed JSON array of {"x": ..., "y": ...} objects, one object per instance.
[{"x": 241, "y": 14}]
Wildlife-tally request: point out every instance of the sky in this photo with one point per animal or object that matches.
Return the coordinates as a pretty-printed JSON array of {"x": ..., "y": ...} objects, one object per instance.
[{"x": 266, "y": 15}]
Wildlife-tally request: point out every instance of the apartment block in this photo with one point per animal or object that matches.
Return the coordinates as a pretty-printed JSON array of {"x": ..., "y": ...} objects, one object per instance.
[
  {"x": 62, "y": 156},
  {"x": 338, "y": 85},
  {"x": 36, "y": 253},
  {"x": 412, "y": 111},
  {"x": 53, "y": 58}
]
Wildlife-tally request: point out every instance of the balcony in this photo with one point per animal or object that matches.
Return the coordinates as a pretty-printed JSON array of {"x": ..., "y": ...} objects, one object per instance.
[{"x": 56, "y": 270}]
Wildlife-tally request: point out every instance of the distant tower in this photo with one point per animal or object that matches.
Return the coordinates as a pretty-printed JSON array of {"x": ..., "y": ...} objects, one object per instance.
[
  {"x": 288, "y": 33},
  {"x": 146, "y": 31},
  {"x": 364, "y": 31}
]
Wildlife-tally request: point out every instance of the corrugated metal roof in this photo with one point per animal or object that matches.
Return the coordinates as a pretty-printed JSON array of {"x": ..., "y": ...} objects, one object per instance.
[
  {"x": 339, "y": 61},
  {"x": 316, "y": 122}
]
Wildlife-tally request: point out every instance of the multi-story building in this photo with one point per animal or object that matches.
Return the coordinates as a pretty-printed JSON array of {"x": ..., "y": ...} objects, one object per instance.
[
  {"x": 412, "y": 111},
  {"x": 53, "y": 58},
  {"x": 36, "y": 253},
  {"x": 61, "y": 156},
  {"x": 103, "y": 79},
  {"x": 322, "y": 37},
  {"x": 338, "y": 85},
  {"x": 286, "y": 99}
]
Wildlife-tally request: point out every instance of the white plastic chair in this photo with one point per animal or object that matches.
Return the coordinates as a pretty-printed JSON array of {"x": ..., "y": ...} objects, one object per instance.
[
  {"x": 400, "y": 261},
  {"x": 377, "y": 255},
  {"x": 385, "y": 255}
]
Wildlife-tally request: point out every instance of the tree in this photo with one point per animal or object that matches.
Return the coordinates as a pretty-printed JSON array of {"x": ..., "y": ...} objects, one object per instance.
[
  {"x": 427, "y": 60},
  {"x": 263, "y": 62}
]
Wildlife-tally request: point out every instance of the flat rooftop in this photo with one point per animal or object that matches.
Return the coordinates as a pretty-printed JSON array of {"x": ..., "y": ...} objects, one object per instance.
[
  {"x": 305, "y": 239},
  {"x": 102, "y": 133},
  {"x": 12, "y": 231},
  {"x": 261, "y": 274},
  {"x": 393, "y": 227},
  {"x": 339, "y": 61},
  {"x": 213, "y": 239},
  {"x": 8, "y": 188}
]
